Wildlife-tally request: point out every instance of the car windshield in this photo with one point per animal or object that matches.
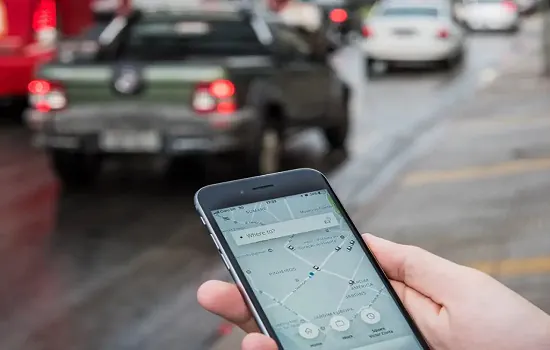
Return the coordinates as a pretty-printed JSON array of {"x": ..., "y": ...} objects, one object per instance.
[
  {"x": 410, "y": 12},
  {"x": 155, "y": 40}
]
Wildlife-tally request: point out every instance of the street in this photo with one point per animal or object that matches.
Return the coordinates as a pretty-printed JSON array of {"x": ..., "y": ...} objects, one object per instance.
[{"x": 122, "y": 267}]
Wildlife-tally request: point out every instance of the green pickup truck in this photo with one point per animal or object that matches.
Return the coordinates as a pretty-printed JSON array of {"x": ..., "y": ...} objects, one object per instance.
[{"x": 174, "y": 83}]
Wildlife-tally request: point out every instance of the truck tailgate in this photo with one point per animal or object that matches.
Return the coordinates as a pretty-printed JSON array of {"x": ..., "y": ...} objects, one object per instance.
[{"x": 163, "y": 83}]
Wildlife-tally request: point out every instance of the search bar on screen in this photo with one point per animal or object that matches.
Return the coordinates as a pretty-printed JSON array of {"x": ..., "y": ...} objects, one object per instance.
[{"x": 285, "y": 228}]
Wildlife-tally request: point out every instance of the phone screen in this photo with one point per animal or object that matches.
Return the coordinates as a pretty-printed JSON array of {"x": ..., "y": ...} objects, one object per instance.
[{"x": 311, "y": 277}]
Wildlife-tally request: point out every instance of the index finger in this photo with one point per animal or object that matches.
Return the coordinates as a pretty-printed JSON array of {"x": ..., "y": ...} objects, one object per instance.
[{"x": 225, "y": 300}]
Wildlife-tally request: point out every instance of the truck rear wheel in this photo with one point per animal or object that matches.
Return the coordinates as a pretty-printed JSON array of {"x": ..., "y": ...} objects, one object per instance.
[
  {"x": 75, "y": 169},
  {"x": 337, "y": 134},
  {"x": 266, "y": 157},
  {"x": 270, "y": 157}
]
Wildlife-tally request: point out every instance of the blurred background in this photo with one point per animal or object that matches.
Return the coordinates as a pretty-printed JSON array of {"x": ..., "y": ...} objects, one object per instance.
[{"x": 430, "y": 117}]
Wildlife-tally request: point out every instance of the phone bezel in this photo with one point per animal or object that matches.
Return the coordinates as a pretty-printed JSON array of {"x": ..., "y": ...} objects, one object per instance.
[{"x": 261, "y": 188}]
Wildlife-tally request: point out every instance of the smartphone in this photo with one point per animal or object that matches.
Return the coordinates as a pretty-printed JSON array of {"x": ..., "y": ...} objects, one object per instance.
[{"x": 301, "y": 265}]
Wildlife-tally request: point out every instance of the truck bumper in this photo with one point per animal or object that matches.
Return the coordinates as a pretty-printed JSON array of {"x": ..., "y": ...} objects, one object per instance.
[{"x": 162, "y": 130}]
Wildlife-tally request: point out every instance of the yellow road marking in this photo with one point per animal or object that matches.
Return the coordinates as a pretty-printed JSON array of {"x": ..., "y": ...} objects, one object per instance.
[
  {"x": 476, "y": 173},
  {"x": 515, "y": 267}
]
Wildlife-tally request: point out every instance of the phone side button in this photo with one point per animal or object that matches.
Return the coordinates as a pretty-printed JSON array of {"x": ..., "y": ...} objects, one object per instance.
[
  {"x": 226, "y": 263},
  {"x": 202, "y": 220},
  {"x": 216, "y": 243}
]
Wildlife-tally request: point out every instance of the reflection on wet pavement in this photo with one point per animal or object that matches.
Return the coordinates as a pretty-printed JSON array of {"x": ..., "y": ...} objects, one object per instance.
[
  {"x": 122, "y": 267},
  {"x": 27, "y": 216}
]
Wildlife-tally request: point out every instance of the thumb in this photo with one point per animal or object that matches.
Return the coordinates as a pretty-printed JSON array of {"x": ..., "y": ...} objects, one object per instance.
[
  {"x": 437, "y": 278},
  {"x": 423, "y": 310}
]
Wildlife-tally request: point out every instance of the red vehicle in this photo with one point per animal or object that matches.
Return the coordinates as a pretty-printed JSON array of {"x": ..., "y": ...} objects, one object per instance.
[{"x": 28, "y": 33}]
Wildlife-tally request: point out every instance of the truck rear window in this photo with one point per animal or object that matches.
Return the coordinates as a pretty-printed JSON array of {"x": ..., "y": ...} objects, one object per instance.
[{"x": 178, "y": 40}]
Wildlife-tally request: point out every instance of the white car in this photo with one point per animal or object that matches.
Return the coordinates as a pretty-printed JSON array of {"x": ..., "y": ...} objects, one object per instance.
[
  {"x": 493, "y": 15},
  {"x": 398, "y": 31}
]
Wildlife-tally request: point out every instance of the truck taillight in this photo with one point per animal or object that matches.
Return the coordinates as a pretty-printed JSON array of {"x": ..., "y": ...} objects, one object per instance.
[
  {"x": 46, "y": 96},
  {"x": 222, "y": 89},
  {"x": 39, "y": 87},
  {"x": 215, "y": 97},
  {"x": 338, "y": 15}
]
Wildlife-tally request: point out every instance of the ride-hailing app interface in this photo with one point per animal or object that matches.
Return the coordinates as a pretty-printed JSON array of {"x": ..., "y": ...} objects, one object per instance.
[{"x": 311, "y": 277}]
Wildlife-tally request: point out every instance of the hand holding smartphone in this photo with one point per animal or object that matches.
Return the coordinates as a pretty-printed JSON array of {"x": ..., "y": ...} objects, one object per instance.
[{"x": 302, "y": 266}]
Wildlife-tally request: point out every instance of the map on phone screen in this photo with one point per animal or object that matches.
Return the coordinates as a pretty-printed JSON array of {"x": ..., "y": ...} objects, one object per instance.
[{"x": 312, "y": 278}]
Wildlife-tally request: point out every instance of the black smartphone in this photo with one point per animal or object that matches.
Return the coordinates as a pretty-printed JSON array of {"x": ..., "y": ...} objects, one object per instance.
[{"x": 303, "y": 268}]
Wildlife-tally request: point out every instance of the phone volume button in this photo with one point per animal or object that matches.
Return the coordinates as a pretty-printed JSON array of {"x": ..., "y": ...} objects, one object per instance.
[
  {"x": 225, "y": 262},
  {"x": 203, "y": 222},
  {"x": 216, "y": 243}
]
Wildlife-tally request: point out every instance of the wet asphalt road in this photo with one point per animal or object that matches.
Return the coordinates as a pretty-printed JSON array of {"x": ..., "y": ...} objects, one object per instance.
[{"x": 123, "y": 265}]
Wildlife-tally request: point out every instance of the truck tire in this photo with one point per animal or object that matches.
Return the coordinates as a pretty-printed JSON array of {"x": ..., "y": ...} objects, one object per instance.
[
  {"x": 75, "y": 169},
  {"x": 266, "y": 156},
  {"x": 337, "y": 134}
]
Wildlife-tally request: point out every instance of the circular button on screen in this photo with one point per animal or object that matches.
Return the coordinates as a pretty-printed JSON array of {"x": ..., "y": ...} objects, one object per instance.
[
  {"x": 339, "y": 323},
  {"x": 370, "y": 316},
  {"x": 308, "y": 331}
]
